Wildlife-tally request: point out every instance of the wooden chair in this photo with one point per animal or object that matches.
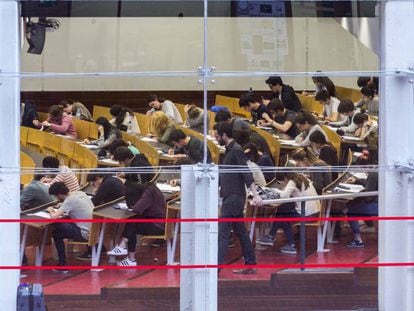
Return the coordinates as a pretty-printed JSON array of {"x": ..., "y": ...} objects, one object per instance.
[
  {"x": 65, "y": 154},
  {"x": 26, "y": 162},
  {"x": 82, "y": 128},
  {"x": 100, "y": 111},
  {"x": 347, "y": 93},
  {"x": 23, "y": 135},
  {"x": 144, "y": 122},
  {"x": 273, "y": 143},
  {"x": 35, "y": 139},
  {"x": 52, "y": 145},
  {"x": 170, "y": 233},
  {"x": 180, "y": 108},
  {"x": 334, "y": 139},
  {"x": 150, "y": 152}
]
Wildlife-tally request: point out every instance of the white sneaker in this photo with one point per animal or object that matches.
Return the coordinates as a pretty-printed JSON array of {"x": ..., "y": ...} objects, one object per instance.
[
  {"x": 126, "y": 262},
  {"x": 117, "y": 251}
]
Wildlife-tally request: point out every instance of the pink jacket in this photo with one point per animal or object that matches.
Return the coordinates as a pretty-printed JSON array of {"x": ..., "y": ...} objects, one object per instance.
[{"x": 66, "y": 126}]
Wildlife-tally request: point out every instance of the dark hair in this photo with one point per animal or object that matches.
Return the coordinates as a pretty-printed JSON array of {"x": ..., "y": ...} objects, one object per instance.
[
  {"x": 247, "y": 98},
  {"x": 50, "y": 162},
  {"x": 363, "y": 81},
  {"x": 274, "y": 80},
  {"x": 318, "y": 138},
  {"x": 177, "y": 135},
  {"x": 115, "y": 144},
  {"x": 222, "y": 116},
  {"x": 346, "y": 105},
  {"x": 224, "y": 128},
  {"x": 184, "y": 161},
  {"x": 55, "y": 111},
  {"x": 94, "y": 174},
  {"x": 360, "y": 118},
  {"x": 58, "y": 188},
  {"x": 119, "y": 113},
  {"x": 122, "y": 154},
  {"x": 275, "y": 105},
  {"x": 134, "y": 192},
  {"x": 368, "y": 91},
  {"x": 298, "y": 179},
  {"x": 66, "y": 102},
  {"x": 322, "y": 95},
  {"x": 253, "y": 155},
  {"x": 193, "y": 112},
  {"x": 153, "y": 97},
  {"x": 107, "y": 126},
  {"x": 303, "y": 116},
  {"x": 38, "y": 176}
]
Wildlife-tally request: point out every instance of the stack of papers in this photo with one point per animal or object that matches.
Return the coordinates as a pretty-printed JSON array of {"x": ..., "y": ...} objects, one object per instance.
[
  {"x": 168, "y": 188},
  {"x": 91, "y": 147},
  {"x": 42, "y": 214},
  {"x": 289, "y": 142},
  {"x": 109, "y": 161},
  {"x": 351, "y": 138},
  {"x": 342, "y": 187},
  {"x": 148, "y": 139}
]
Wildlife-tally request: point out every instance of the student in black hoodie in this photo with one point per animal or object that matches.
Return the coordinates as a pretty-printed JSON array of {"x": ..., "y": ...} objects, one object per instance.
[{"x": 284, "y": 92}]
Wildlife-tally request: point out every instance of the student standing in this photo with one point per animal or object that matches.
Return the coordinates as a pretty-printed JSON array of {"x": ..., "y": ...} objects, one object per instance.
[{"x": 233, "y": 192}]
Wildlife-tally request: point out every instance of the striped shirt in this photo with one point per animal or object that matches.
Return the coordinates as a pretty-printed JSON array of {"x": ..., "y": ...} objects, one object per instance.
[{"x": 66, "y": 176}]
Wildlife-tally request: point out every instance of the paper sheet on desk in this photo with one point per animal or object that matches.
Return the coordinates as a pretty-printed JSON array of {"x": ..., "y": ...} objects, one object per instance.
[
  {"x": 360, "y": 175},
  {"x": 42, "y": 214},
  {"x": 264, "y": 127},
  {"x": 352, "y": 138},
  {"x": 343, "y": 187},
  {"x": 121, "y": 205},
  {"x": 149, "y": 139},
  {"x": 289, "y": 142},
  {"x": 91, "y": 147},
  {"x": 109, "y": 161},
  {"x": 167, "y": 188}
]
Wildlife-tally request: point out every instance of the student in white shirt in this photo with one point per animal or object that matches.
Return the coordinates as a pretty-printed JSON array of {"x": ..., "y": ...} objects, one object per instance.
[
  {"x": 347, "y": 109},
  {"x": 157, "y": 103},
  {"x": 297, "y": 186},
  {"x": 124, "y": 119},
  {"x": 330, "y": 105},
  {"x": 307, "y": 124}
]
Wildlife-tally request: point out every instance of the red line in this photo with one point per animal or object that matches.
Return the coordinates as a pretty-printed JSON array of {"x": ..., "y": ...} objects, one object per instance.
[
  {"x": 247, "y": 219},
  {"x": 235, "y": 266}
]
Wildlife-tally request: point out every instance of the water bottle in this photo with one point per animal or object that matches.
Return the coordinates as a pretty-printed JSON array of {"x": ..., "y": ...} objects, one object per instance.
[
  {"x": 78, "y": 113},
  {"x": 129, "y": 129}
]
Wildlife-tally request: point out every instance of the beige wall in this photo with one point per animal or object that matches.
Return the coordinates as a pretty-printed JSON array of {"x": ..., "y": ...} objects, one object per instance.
[{"x": 172, "y": 44}]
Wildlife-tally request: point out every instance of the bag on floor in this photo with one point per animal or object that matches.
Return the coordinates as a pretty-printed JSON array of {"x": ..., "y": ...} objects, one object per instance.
[{"x": 30, "y": 297}]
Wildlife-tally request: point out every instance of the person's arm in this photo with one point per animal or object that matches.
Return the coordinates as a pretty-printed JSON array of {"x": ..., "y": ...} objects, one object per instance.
[
  {"x": 288, "y": 191},
  {"x": 63, "y": 128},
  {"x": 105, "y": 143},
  {"x": 168, "y": 109},
  {"x": 333, "y": 117},
  {"x": 359, "y": 103}
]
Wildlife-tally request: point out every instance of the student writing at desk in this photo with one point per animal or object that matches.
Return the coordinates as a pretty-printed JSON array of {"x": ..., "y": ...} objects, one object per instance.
[
  {"x": 64, "y": 174},
  {"x": 188, "y": 146},
  {"x": 330, "y": 106},
  {"x": 58, "y": 121},
  {"x": 252, "y": 103},
  {"x": 107, "y": 134},
  {"x": 77, "y": 205},
  {"x": 307, "y": 124},
  {"x": 35, "y": 194}
]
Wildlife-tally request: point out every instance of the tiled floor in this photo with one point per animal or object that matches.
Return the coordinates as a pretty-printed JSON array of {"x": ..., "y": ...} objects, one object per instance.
[{"x": 90, "y": 283}]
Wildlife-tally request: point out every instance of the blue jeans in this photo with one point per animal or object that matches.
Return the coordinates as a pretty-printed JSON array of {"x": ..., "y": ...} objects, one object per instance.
[
  {"x": 285, "y": 210},
  {"x": 233, "y": 208},
  {"x": 361, "y": 209},
  {"x": 65, "y": 231}
]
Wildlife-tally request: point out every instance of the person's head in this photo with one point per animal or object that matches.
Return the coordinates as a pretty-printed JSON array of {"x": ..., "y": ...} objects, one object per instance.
[
  {"x": 276, "y": 107},
  {"x": 67, "y": 105},
  {"x": 134, "y": 192},
  {"x": 318, "y": 140},
  {"x": 363, "y": 81},
  {"x": 59, "y": 190},
  {"x": 250, "y": 150},
  {"x": 222, "y": 116},
  {"x": 346, "y": 107},
  {"x": 275, "y": 83},
  {"x": 178, "y": 138},
  {"x": 304, "y": 157},
  {"x": 305, "y": 120},
  {"x": 115, "y": 144},
  {"x": 298, "y": 179},
  {"x": 123, "y": 155},
  {"x": 368, "y": 93},
  {"x": 50, "y": 162},
  {"x": 360, "y": 119},
  {"x": 159, "y": 123},
  {"x": 38, "y": 177},
  {"x": 249, "y": 102},
  {"x": 155, "y": 102},
  {"x": 104, "y": 126},
  {"x": 55, "y": 112},
  {"x": 223, "y": 133},
  {"x": 194, "y": 112},
  {"x": 96, "y": 177},
  {"x": 323, "y": 97},
  {"x": 115, "y": 110}
]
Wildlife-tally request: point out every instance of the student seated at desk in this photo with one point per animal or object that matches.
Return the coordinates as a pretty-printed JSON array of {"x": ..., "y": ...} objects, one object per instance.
[
  {"x": 307, "y": 124},
  {"x": 195, "y": 118},
  {"x": 322, "y": 83},
  {"x": 124, "y": 119},
  {"x": 35, "y": 194},
  {"x": 346, "y": 125},
  {"x": 148, "y": 202},
  {"x": 58, "y": 121},
  {"x": 261, "y": 159},
  {"x": 76, "y": 109},
  {"x": 167, "y": 106},
  {"x": 304, "y": 157},
  {"x": 362, "y": 206},
  {"x": 120, "y": 143},
  {"x": 161, "y": 127},
  {"x": 322, "y": 149},
  {"x": 145, "y": 172},
  {"x": 330, "y": 106},
  {"x": 369, "y": 99},
  {"x": 367, "y": 130},
  {"x": 284, "y": 92},
  {"x": 77, "y": 205},
  {"x": 282, "y": 119},
  {"x": 107, "y": 133},
  {"x": 252, "y": 103},
  {"x": 188, "y": 145},
  {"x": 64, "y": 174},
  {"x": 30, "y": 114},
  {"x": 297, "y": 186},
  {"x": 106, "y": 188}
]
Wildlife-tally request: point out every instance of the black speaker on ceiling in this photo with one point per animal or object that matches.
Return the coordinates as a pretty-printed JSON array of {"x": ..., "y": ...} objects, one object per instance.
[{"x": 36, "y": 36}]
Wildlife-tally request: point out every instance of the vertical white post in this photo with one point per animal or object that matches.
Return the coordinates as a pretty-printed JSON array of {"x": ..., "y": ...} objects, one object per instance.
[
  {"x": 396, "y": 285},
  {"x": 9, "y": 155},
  {"x": 199, "y": 200}
]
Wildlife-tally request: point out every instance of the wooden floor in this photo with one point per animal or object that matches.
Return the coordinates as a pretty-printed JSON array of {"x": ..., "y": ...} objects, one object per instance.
[{"x": 321, "y": 289}]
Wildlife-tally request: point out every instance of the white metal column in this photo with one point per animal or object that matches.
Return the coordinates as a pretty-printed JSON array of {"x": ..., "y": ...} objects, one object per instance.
[
  {"x": 198, "y": 244},
  {"x": 396, "y": 240},
  {"x": 9, "y": 155}
]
